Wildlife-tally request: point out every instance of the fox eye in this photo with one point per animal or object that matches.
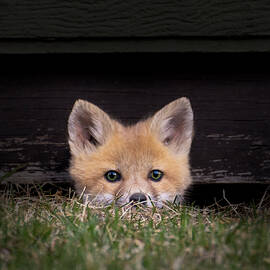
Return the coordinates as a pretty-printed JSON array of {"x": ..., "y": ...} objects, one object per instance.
[
  {"x": 112, "y": 176},
  {"x": 155, "y": 175}
]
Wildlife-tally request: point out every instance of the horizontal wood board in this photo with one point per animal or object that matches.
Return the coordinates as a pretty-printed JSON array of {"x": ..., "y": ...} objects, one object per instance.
[
  {"x": 105, "y": 19},
  {"x": 46, "y": 26},
  {"x": 230, "y": 95}
]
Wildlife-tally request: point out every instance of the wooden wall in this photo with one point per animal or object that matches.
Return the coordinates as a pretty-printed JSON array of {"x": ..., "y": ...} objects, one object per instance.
[{"x": 230, "y": 95}]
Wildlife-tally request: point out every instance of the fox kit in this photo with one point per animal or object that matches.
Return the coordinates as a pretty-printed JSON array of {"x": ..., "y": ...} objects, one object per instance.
[{"x": 146, "y": 163}]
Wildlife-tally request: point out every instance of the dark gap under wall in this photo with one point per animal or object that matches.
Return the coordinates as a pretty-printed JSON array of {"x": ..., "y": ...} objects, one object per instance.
[
  {"x": 223, "y": 194},
  {"x": 197, "y": 63}
]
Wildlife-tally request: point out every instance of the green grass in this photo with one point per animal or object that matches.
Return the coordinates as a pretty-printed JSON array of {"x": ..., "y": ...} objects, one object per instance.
[{"x": 59, "y": 232}]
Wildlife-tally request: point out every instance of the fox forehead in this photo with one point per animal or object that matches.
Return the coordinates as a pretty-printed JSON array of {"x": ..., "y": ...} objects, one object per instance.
[{"x": 130, "y": 150}]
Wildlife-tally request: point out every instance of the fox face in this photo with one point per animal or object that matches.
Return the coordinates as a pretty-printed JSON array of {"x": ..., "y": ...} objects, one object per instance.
[{"x": 146, "y": 163}]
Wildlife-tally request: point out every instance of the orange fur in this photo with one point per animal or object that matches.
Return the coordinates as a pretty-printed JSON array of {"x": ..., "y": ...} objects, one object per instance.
[{"x": 132, "y": 151}]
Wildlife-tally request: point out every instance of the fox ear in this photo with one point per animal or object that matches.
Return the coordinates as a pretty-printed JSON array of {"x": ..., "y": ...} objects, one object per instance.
[
  {"x": 174, "y": 125},
  {"x": 88, "y": 127}
]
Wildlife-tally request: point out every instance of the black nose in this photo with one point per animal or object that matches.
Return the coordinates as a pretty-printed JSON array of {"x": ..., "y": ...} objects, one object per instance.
[{"x": 138, "y": 198}]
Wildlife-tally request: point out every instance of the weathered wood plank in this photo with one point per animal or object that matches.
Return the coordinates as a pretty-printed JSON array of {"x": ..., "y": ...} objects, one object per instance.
[
  {"x": 104, "y": 19},
  {"x": 51, "y": 26},
  {"x": 232, "y": 109}
]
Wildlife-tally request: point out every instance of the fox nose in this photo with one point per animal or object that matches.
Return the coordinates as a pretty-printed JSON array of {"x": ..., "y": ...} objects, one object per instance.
[{"x": 138, "y": 198}]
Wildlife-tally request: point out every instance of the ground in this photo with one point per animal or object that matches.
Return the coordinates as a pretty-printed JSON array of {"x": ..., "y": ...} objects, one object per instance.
[{"x": 57, "y": 231}]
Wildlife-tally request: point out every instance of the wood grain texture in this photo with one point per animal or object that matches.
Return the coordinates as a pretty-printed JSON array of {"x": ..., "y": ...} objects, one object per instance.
[
  {"x": 231, "y": 107},
  {"x": 51, "y": 19}
]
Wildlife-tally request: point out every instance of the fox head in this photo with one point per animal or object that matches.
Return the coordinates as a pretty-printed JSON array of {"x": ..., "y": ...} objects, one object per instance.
[{"x": 147, "y": 162}]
